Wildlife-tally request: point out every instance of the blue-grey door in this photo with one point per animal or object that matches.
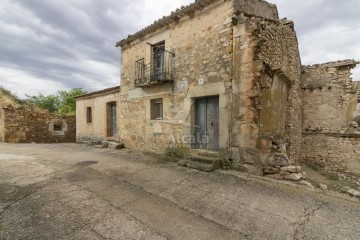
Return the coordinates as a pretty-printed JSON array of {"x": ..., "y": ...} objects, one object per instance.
[
  {"x": 207, "y": 123},
  {"x": 111, "y": 119},
  {"x": 158, "y": 61}
]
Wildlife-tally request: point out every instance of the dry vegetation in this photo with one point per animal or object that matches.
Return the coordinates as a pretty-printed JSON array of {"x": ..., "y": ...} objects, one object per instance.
[{"x": 8, "y": 98}]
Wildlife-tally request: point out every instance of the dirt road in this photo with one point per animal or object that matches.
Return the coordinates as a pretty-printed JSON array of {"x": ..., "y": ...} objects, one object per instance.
[{"x": 72, "y": 191}]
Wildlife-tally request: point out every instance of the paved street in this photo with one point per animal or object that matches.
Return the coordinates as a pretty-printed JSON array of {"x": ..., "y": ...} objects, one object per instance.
[{"x": 73, "y": 191}]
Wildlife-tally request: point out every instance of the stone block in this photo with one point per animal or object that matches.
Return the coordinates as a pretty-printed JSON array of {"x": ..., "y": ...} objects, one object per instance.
[
  {"x": 115, "y": 145},
  {"x": 291, "y": 169},
  {"x": 293, "y": 176},
  {"x": 278, "y": 159},
  {"x": 271, "y": 170},
  {"x": 202, "y": 163}
]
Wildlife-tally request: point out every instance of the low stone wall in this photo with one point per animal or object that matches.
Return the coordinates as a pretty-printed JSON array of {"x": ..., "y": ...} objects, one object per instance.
[
  {"x": 22, "y": 126},
  {"x": 336, "y": 152}
]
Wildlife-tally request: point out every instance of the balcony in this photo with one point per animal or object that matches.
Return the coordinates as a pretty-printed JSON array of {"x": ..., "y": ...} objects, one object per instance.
[{"x": 158, "y": 71}]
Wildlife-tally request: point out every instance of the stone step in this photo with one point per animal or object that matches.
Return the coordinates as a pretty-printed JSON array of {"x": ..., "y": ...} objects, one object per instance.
[
  {"x": 205, "y": 152},
  {"x": 110, "y": 144},
  {"x": 202, "y": 163}
]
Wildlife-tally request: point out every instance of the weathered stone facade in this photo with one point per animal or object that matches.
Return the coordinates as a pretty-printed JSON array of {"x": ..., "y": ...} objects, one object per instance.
[
  {"x": 236, "y": 50},
  {"x": 2, "y": 125},
  {"x": 97, "y": 129},
  {"x": 331, "y": 138},
  {"x": 23, "y": 126},
  {"x": 266, "y": 92}
]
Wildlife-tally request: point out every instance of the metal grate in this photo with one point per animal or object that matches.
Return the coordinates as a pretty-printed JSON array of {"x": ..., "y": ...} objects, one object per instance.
[{"x": 160, "y": 68}]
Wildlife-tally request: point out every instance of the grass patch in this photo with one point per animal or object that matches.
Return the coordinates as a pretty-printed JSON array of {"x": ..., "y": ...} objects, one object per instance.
[
  {"x": 315, "y": 167},
  {"x": 177, "y": 152},
  {"x": 331, "y": 176}
]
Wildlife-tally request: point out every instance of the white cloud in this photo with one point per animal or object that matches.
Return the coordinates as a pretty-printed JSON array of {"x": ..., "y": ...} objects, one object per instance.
[
  {"x": 22, "y": 83},
  {"x": 53, "y": 45}
]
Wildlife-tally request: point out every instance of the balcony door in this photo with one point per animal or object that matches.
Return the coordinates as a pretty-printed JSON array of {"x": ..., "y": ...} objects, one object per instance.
[{"x": 158, "y": 61}]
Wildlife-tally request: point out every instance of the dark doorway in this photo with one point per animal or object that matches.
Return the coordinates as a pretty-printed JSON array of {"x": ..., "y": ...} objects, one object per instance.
[
  {"x": 207, "y": 123},
  {"x": 111, "y": 119}
]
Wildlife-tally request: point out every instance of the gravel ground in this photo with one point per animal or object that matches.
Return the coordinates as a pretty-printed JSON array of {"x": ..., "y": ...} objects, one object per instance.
[{"x": 73, "y": 191}]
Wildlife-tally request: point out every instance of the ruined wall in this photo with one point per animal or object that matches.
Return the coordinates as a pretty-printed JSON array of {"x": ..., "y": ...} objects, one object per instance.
[
  {"x": 337, "y": 152},
  {"x": 2, "y": 129},
  {"x": 330, "y": 96},
  {"x": 96, "y": 131},
  {"x": 22, "y": 126},
  {"x": 267, "y": 94},
  {"x": 258, "y": 8},
  {"x": 330, "y": 137},
  {"x": 202, "y": 44}
]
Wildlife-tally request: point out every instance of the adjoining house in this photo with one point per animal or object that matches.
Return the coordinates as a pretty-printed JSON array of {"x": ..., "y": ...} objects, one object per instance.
[
  {"x": 21, "y": 125},
  {"x": 97, "y": 116}
]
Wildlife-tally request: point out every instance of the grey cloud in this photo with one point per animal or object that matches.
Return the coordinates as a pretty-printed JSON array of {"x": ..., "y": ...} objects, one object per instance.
[{"x": 72, "y": 43}]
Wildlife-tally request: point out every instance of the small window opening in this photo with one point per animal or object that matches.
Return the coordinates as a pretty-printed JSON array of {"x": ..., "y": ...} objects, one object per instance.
[
  {"x": 88, "y": 115},
  {"x": 156, "y": 108},
  {"x": 57, "y": 127}
]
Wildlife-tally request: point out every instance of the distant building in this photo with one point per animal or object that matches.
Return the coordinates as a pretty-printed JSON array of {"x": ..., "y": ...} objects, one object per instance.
[{"x": 97, "y": 116}]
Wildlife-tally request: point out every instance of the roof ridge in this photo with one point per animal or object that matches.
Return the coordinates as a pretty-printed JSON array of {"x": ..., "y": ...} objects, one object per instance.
[
  {"x": 105, "y": 90},
  {"x": 174, "y": 15}
]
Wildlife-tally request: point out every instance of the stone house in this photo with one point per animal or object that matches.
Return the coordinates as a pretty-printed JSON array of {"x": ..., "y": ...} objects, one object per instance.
[
  {"x": 224, "y": 79},
  {"x": 19, "y": 125},
  {"x": 220, "y": 75},
  {"x": 97, "y": 116}
]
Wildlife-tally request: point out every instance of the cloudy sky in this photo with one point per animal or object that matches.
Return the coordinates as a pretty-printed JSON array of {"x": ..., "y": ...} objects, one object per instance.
[{"x": 51, "y": 45}]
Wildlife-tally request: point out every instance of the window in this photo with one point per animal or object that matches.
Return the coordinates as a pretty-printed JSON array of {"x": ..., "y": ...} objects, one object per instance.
[
  {"x": 88, "y": 115},
  {"x": 158, "y": 51},
  {"x": 57, "y": 126},
  {"x": 156, "y": 108}
]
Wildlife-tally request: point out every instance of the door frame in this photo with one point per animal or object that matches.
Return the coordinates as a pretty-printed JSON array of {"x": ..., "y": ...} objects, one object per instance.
[
  {"x": 195, "y": 131},
  {"x": 111, "y": 127}
]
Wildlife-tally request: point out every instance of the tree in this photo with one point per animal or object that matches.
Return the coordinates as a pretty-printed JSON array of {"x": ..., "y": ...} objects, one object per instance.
[
  {"x": 62, "y": 103},
  {"x": 49, "y": 102},
  {"x": 67, "y": 103}
]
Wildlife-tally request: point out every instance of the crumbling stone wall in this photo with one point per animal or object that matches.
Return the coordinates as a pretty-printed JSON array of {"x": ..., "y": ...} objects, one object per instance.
[
  {"x": 330, "y": 96},
  {"x": 2, "y": 128},
  {"x": 336, "y": 152},
  {"x": 330, "y": 135},
  {"x": 267, "y": 94},
  {"x": 257, "y": 8},
  {"x": 22, "y": 126}
]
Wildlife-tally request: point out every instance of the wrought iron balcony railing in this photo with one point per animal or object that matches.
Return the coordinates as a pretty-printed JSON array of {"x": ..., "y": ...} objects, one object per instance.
[{"x": 159, "y": 70}]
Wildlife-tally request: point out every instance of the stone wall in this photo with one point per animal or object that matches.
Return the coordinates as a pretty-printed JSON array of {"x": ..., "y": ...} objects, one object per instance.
[
  {"x": 330, "y": 135},
  {"x": 336, "y": 152},
  {"x": 22, "y": 126},
  {"x": 96, "y": 131},
  {"x": 251, "y": 63},
  {"x": 202, "y": 44},
  {"x": 258, "y": 8},
  {"x": 2, "y": 128},
  {"x": 267, "y": 96},
  {"x": 330, "y": 96}
]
